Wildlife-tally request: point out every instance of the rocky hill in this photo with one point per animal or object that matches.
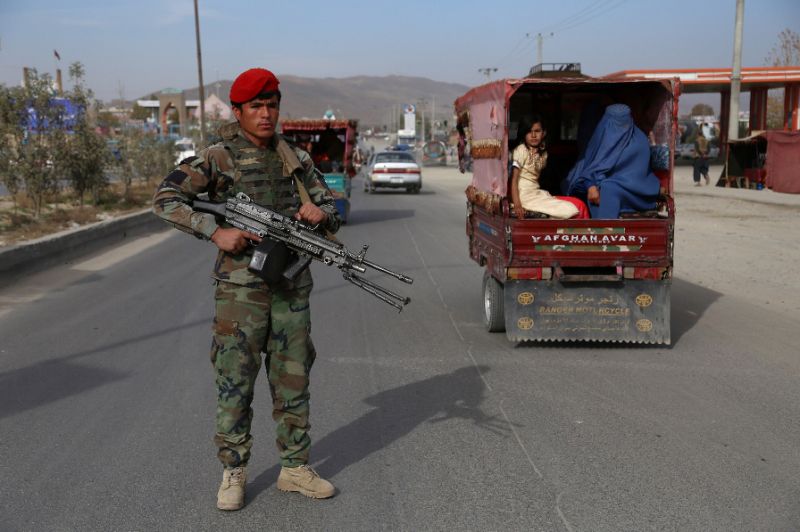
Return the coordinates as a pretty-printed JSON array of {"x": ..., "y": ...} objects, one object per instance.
[{"x": 367, "y": 98}]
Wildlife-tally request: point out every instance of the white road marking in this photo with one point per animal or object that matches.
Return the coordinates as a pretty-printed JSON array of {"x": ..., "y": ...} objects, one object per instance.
[
  {"x": 121, "y": 253},
  {"x": 37, "y": 286},
  {"x": 561, "y": 514}
]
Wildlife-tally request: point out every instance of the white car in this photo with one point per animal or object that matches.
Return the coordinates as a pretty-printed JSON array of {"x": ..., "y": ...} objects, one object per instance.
[
  {"x": 184, "y": 148},
  {"x": 393, "y": 169}
]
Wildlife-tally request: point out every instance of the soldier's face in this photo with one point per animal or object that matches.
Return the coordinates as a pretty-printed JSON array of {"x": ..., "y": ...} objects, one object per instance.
[{"x": 258, "y": 118}]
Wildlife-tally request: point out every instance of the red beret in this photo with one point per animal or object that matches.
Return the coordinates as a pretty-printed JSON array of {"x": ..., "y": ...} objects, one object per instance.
[{"x": 251, "y": 83}]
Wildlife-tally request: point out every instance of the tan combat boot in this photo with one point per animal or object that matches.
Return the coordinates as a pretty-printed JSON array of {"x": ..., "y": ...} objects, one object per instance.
[
  {"x": 231, "y": 492},
  {"x": 305, "y": 480}
]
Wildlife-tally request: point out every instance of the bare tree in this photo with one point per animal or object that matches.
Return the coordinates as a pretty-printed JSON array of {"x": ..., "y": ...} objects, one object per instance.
[
  {"x": 786, "y": 52},
  {"x": 702, "y": 109}
]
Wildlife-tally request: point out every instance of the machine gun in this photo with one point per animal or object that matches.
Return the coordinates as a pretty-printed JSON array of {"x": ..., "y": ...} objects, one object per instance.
[{"x": 241, "y": 212}]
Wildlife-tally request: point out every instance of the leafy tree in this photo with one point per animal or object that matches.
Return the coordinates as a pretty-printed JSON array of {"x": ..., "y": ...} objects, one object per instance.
[
  {"x": 139, "y": 112},
  {"x": 86, "y": 154},
  {"x": 786, "y": 52},
  {"x": 108, "y": 120},
  {"x": 144, "y": 155},
  {"x": 10, "y": 116},
  {"x": 702, "y": 109},
  {"x": 31, "y": 137}
]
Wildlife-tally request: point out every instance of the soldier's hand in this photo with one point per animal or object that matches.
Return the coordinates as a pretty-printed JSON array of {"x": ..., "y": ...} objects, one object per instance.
[
  {"x": 233, "y": 240},
  {"x": 311, "y": 214}
]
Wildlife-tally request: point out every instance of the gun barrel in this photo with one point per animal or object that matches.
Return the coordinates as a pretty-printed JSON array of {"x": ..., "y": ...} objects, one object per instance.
[
  {"x": 387, "y": 271},
  {"x": 385, "y": 295}
]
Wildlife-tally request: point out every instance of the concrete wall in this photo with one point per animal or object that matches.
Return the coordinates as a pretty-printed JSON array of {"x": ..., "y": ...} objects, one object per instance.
[{"x": 65, "y": 247}]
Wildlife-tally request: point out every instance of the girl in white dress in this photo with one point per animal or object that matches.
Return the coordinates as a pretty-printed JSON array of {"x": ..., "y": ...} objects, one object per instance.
[{"x": 528, "y": 161}]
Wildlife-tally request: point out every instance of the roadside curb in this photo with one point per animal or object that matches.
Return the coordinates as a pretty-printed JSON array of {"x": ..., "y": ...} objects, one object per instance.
[{"x": 60, "y": 248}]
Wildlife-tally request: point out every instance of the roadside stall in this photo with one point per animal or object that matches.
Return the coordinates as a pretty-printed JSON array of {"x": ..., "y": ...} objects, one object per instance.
[
  {"x": 765, "y": 159},
  {"x": 332, "y": 145},
  {"x": 746, "y": 162},
  {"x": 783, "y": 161}
]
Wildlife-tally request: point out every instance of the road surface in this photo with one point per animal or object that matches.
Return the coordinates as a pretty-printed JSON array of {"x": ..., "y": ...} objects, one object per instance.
[{"x": 422, "y": 419}]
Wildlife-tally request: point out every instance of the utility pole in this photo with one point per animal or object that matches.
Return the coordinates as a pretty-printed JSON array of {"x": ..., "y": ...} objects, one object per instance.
[
  {"x": 200, "y": 76},
  {"x": 121, "y": 93},
  {"x": 487, "y": 72},
  {"x": 421, "y": 106},
  {"x": 736, "y": 75},
  {"x": 539, "y": 45},
  {"x": 433, "y": 118}
]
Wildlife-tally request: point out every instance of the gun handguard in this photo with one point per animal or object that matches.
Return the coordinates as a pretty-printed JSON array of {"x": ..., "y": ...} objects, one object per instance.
[{"x": 241, "y": 212}]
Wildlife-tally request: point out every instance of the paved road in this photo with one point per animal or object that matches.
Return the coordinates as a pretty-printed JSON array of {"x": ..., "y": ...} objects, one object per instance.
[{"x": 423, "y": 420}]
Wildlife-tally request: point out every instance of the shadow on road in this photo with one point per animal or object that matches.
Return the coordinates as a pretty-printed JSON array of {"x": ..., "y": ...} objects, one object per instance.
[
  {"x": 396, "y": 413},
  {"x": 362, "y": 216},
  {"x": 46, "y": 382},
  {"x": 689, "y": 302},
  {"x": 51, "y": 380},
  {"x": 402, "y": 192}
]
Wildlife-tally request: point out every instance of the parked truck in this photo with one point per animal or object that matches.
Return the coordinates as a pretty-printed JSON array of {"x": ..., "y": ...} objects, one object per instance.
[{"x": 550, "y": 279}]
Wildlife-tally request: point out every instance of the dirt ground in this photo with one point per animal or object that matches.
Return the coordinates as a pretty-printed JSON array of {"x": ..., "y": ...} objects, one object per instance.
[
  {"x": 19, "y": 224},
  {"x": 737, "y": 246}
]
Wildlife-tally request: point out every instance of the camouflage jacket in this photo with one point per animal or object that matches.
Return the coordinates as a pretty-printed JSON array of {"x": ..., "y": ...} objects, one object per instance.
[{"x": 237, "y": 165}]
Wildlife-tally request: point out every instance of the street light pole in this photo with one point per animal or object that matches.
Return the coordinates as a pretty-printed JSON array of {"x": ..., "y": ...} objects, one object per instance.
[
  {"x": 736, "y": 75},
  {"x": 433, "y": 117},
  {"x": 200, "y": 76},
  {"x": 421, "y": 106}
]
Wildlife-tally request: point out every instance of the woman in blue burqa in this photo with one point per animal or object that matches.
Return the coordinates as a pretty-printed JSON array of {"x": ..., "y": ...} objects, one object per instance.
[{"x": 614, "y": 173}]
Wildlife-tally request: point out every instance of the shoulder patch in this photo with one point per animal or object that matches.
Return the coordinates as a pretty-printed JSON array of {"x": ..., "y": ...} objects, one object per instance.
[{"x": 176, "y": 177}]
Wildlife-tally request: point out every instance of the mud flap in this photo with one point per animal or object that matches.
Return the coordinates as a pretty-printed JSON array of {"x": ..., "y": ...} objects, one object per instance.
[{"x": 630, "y": 311}]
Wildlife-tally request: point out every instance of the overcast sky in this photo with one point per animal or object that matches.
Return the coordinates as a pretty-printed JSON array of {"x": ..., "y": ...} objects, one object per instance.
[{"x": 139, "y": 47}]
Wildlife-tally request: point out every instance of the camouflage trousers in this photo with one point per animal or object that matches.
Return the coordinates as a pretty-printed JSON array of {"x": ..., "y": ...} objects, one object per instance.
[{"x": 248, "y": 322}]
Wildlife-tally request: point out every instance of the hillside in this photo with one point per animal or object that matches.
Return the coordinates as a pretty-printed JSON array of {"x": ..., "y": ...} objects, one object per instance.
[{"x": 367, "y": 98}]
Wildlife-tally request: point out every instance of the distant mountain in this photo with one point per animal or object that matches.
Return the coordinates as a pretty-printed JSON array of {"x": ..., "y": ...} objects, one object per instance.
[{"x": 367, "y": 98}]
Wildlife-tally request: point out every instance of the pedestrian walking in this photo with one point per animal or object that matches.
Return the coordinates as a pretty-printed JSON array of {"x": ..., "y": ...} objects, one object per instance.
[{"x": 700, "y": 158}]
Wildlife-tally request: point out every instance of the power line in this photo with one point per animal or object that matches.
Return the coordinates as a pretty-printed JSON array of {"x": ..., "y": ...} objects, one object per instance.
[
  {"x": 570, "y": 18},
  {"x": 514, "y": 49},
  {"x": 586, "y": 14},
  {"x": 610, "y": 7}
]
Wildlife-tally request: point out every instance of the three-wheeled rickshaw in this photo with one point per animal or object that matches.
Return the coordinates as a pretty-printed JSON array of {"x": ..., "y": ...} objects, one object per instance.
[
  {"x": 549, "y": 279},
  {"x": 332, "y": 145}
]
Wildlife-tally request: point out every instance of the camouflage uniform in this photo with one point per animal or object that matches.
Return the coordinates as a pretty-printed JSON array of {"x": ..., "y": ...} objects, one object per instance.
[{"x": 252, "y": 317}]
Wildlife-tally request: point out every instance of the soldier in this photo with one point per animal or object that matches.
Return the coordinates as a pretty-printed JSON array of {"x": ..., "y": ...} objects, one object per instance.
[{"x": 253, "y": 316}]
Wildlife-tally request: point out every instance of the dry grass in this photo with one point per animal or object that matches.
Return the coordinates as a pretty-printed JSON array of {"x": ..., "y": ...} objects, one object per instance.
[{"x": 62, "y": 211}]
